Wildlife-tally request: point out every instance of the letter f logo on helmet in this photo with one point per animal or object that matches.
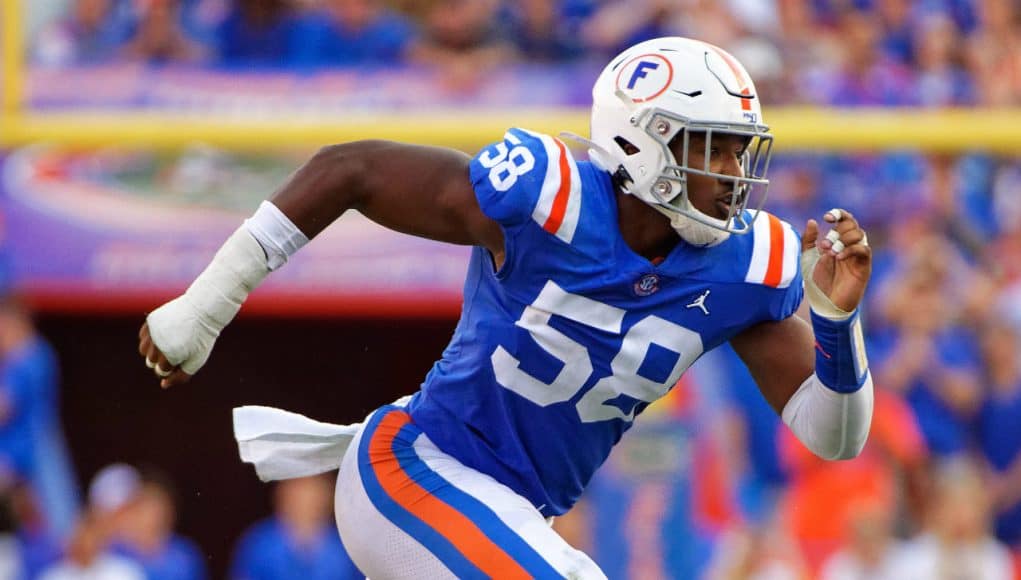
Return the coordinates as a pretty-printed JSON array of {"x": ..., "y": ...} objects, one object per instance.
[{"x": 640, "y": 72}]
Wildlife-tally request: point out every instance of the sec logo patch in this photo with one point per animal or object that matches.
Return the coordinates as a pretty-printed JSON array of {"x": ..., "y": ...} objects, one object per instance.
[
  {"x": 646, "y": 285},
  {"x": 645, "y": 77}
]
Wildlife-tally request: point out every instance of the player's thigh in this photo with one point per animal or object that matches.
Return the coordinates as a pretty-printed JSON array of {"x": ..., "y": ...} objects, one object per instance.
[
  {"x": 405, "y": 509},
  {"x": 375, "y": 544}
]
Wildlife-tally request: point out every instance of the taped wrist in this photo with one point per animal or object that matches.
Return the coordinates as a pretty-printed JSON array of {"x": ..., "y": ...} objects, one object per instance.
[
  {"x": 840, "y": 359},
  {"x": 818, "y": 299},
  {"x": 237, "y": 268},
  {"x": 276, "y": 233}
]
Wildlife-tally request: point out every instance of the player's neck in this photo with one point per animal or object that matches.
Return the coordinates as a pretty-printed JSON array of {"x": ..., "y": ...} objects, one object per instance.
[{"x": 646, "y": 231}]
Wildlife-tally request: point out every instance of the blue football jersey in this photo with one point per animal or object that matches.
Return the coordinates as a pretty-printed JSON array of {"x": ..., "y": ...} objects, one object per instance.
[{"x": 560, "y": 349}]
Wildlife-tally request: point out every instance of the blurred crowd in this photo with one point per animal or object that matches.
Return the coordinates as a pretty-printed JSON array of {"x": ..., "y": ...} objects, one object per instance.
[
  {"x": 126, "y": 531},
  {"x": 124, "y": 528},
  {"x": 836, "y": 52}
]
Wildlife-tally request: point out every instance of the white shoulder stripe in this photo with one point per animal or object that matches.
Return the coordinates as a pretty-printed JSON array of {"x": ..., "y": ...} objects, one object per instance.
[
  {"x": 775, "y": 252},
  {"x": 559, "y": 205},
  {"x": 791, "y": 255},
  {"x": 760, "y": 250},
  {"x": 573, "y": 210}
]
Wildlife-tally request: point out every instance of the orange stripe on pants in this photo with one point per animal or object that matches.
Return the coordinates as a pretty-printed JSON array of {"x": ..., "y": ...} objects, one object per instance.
[{"x": 448, "y": 522}]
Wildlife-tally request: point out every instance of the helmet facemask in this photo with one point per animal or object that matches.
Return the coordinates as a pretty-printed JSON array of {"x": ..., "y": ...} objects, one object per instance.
[{"x": 668, "y": 192}]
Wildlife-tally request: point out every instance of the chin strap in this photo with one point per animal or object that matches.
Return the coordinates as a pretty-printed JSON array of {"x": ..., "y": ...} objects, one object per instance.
[{"x": 692, "y": 231}]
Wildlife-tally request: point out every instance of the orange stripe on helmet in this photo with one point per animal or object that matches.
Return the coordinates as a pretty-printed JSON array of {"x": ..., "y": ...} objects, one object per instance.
[
  {"x": 444, "y": 519},
  {"x": 735, "y": 68},
  {"x": 746, "y": 104},
  {"x": 742, "y": 81}
]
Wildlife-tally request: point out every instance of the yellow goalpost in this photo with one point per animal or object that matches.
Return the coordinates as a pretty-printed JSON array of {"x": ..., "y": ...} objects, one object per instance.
[
  {"x": 795, "y": 128},
  {"x": 12, "y": 59}
]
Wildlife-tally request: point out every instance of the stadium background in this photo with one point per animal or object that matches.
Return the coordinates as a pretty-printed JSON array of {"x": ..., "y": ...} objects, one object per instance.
[{"x": 122, "y": 175}]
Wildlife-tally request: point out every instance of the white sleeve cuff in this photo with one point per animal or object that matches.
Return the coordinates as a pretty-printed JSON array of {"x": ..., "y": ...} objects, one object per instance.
[
  {"x": 276, "y": 233},
  {"x": 832, "y": 425}
]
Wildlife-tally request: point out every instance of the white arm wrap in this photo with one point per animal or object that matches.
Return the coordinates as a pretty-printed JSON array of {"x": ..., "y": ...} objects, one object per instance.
[
  {"x": 185, "y": 328},
  {"x": 832, "y": 425}
]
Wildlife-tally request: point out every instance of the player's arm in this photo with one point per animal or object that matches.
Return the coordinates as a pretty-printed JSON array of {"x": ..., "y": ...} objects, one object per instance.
[
  {"x": 418, "y": 190},
  {"x": 817, "y": 376},
  {"x": 779, "y": 355},
  {"x": 424, "y": 191}
]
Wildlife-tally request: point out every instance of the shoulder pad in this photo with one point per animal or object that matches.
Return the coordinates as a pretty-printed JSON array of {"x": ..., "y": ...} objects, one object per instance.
[{"x": 529, "y": 175}]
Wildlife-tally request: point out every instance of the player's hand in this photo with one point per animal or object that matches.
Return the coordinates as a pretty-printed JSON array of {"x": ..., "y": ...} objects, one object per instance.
[
  {"x": 845, "y": 259},
  {"x": 169, "y": 374},
  {"x": 176, "y": 340}
]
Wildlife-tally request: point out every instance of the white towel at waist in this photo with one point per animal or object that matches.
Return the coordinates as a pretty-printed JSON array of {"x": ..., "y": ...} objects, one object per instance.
[{"x": 285, "y": 445}]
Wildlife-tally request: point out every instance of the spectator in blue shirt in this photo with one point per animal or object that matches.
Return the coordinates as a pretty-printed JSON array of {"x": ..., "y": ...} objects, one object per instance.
[
  {"x": 38, "y": 544},
  {"x": 940, "y": 80},
  {"x": 86, "y": 556},
  {"x": 897, "y": 19},
  {"x": 92, "y": 33},
  {"x": 159, "y": 38},
  {"x": 146, "y": 534},
  {"x": 865, "y": 76},
  {"x": 547, "y": 30},
  {"x": 299, "y": 542},
  {"x": 256, "y": 34},
  {"x": 926, "y": 353},
  {"x": 32, "y": 443},
  {"x": 349, "y": 33},
  {"x": 1000, "y": 430}
]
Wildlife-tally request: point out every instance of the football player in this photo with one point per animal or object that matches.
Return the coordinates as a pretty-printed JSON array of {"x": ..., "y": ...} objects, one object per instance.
[{"x": 592, "y": 286}]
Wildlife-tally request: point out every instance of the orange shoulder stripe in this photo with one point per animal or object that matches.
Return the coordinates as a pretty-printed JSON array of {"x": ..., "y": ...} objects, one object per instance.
[
  {"x": 774, "y": 271},
  {"x": 556, "y": 216}
]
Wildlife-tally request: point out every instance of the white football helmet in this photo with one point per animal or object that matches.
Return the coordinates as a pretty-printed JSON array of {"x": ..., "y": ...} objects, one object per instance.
[{"x": 671, "y": 87}]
